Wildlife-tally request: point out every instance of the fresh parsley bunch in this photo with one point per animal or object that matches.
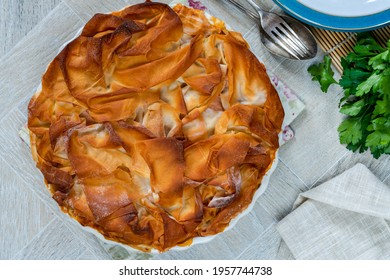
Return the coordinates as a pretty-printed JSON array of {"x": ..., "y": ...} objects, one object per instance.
[
  {"x": 366, "y": 84},
  {"x": 366, "y": 101}
]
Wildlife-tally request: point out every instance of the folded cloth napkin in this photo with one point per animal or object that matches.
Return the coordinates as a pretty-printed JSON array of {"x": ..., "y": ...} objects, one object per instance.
[{"x": 345, "y": 218}]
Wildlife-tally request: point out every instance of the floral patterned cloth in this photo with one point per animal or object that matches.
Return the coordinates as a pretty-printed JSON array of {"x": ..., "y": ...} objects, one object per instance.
[
  {"x": 292, "y": 106},
  {"x": 196, "y": 4}
]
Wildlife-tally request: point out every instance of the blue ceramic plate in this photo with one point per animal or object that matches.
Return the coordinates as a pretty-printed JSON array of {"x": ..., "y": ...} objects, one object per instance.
[{"x": 340, "y": 15}]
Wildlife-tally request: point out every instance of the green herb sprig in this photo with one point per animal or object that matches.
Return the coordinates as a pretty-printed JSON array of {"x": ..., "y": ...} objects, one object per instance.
[{"x": 323, "y": 73}]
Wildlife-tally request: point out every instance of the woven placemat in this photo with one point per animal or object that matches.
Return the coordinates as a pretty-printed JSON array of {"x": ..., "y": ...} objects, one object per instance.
[{"x": 339, "y": 44}]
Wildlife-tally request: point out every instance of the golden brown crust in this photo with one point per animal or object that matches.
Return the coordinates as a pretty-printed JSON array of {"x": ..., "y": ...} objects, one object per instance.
[{"x": 155, "y": 126}]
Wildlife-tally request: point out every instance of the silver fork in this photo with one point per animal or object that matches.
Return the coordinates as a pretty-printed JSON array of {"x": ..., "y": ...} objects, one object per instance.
[{"x": 280, "y": 32}]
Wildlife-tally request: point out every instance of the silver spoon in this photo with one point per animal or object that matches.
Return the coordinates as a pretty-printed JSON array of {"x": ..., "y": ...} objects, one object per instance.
[{"x": 281, "y": 47}]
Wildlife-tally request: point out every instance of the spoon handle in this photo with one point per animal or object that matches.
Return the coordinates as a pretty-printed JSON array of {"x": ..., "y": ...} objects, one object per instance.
[
  {"x": 243, "y": 9},
  {"x": 256, "y": 7}
]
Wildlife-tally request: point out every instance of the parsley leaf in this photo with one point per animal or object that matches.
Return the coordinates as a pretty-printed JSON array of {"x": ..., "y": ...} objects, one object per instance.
[
  {"x": 382, "y": 107},
  {"x": 367, "y": 46},
  {"x": 350, "y": 131},
  {"x": 352, "y": 108},
  {"x": 323, "y": 73},
  {"x": 368, "y": 84},
  {"x": 351, "y": 78},
  {"x": 385, "y": 83},
  {"x": 379, "y": 139},
  {"x": 379, "y": 62}
]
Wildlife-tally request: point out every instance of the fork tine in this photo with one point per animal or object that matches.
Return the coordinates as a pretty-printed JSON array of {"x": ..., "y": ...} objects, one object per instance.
[
  {"x": 295, "y": 37},
  {"x": 281, "y": 38},
  {"x": 288, "y": 39},
  {"x": 288, "y": 48}
]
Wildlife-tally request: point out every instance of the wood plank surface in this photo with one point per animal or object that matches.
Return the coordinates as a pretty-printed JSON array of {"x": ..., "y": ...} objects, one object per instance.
[
  {"x": 17, "y": 18},
  {"x": 31, "y": 224}
]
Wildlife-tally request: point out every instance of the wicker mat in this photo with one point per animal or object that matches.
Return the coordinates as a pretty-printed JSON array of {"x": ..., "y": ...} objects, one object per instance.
[{"x": 339, "y": 44}]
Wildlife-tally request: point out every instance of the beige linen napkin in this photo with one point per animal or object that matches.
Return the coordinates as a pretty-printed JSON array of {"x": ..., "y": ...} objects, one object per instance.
[{"x": 347, "y": 217}]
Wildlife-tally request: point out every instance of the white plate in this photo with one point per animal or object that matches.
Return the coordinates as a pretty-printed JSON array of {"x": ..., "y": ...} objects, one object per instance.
[
  {"x": 340, "y": 15},
  {"x": 347, "y": 8}
]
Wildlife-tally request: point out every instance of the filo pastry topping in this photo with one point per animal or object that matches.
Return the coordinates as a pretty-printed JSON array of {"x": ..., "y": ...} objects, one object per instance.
[{"x": 155, "y": 126}]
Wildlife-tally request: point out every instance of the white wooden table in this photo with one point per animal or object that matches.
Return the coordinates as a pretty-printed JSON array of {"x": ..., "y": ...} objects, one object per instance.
[{"x": 31, "y": 225}]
